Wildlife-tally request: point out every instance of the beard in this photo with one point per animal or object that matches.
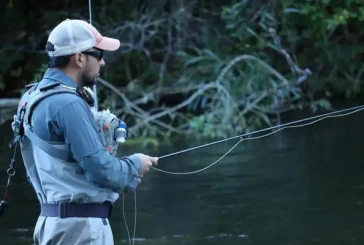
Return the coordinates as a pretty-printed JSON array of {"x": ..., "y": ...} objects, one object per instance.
[{"x": 88, "y": 80}]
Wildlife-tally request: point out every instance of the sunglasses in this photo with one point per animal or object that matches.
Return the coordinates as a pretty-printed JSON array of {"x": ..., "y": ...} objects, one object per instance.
[{"x": 98, "y": 54}]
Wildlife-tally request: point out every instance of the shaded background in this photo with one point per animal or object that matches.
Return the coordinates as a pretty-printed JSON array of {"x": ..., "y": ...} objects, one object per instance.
[
  {"x": 172, "y": 49},
  {"x": 299, "y": 186}
]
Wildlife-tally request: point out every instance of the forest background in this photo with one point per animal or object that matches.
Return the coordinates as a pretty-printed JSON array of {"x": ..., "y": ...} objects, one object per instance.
[{"x": 214, "y": 68}]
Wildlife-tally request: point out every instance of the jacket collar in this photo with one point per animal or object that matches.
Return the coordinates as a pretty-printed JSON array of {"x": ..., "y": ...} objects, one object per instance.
[{"x": 56, "y": 75}]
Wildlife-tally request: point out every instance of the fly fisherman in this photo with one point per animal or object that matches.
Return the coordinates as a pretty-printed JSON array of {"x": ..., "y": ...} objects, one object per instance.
[{"x": 76, "y": 179}]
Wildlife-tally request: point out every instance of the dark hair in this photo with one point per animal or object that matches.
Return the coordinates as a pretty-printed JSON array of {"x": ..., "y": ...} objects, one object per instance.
[{"x": 59, "y": 61}]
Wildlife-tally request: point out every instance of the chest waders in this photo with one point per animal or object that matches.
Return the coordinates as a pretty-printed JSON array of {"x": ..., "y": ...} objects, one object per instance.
[{"x": 23, "y": 133}]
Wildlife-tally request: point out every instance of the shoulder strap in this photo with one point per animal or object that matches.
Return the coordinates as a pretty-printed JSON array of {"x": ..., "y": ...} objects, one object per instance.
[
  {"x": 17, "y": 124},
  {"x": 45, "y": 146},
  {"x": 26, "y": 107},
  {"x": 36, "y": 96}
]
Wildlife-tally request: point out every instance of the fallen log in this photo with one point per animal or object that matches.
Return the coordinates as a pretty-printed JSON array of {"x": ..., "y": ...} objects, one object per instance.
[{"x": 9, "y": 102}]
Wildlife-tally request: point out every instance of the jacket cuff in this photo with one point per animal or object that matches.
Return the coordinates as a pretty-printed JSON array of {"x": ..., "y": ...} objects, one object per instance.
[{"x": 137, "y": 163}]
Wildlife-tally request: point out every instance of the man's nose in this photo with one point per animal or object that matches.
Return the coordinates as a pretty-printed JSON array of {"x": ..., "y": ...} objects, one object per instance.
[{"x": 102, "y": 62}]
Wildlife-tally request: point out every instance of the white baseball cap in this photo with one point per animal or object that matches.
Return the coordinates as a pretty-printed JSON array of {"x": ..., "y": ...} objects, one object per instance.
[{"x": 73, "y": 36}]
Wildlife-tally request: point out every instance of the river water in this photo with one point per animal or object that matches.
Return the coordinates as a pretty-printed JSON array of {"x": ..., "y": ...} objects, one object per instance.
[{"x": 297, "y": 187}]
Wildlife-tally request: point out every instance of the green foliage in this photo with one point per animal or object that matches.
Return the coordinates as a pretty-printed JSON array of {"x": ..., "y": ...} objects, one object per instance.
[
  {"x": 328, "y": 35},
  {"x": 203, "y": 67}
]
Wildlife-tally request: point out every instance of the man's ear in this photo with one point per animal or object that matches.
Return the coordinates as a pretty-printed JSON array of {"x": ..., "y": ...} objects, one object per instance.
[{"x": 78, "y": 59}]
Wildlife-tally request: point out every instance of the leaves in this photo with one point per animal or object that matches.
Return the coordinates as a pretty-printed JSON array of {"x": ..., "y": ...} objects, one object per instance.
[{"x": 185, "y": 49}]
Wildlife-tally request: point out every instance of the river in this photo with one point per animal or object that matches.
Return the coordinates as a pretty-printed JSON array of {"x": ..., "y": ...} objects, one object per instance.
[{"x": 299, "y": 186}]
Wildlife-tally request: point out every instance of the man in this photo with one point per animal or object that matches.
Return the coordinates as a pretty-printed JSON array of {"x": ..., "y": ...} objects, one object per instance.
[{"x": 75, "y": 178}]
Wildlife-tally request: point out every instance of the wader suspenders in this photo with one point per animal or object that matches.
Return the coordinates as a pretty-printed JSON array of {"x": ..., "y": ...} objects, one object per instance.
[{"x": 19, "y": 129}]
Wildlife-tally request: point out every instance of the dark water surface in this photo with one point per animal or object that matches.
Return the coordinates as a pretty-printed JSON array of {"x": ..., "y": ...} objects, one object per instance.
[{"x": 300, "y": 186}]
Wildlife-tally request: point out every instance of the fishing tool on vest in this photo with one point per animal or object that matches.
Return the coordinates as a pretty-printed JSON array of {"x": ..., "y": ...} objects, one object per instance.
[
  {"x": 18, "y": 131},
  {"x": 113, "y": 132},
  {"x": 10, "y": 172},
  {"x": 121, "y": 133}
]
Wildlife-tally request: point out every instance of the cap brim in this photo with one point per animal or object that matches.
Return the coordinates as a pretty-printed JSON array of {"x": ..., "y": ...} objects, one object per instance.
[{"x": 108, "y": 44}]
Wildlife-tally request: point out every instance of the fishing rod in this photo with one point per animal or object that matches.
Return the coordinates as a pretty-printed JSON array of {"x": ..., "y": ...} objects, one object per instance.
[
  {"x": 131, "y": 239},
  {"x": 96, "y": 106},
  {"x": 242, "y": 136}
]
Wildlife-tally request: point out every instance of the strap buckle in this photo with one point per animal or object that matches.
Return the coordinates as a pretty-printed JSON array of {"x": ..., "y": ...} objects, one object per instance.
[{"x": 62, "y": 210}]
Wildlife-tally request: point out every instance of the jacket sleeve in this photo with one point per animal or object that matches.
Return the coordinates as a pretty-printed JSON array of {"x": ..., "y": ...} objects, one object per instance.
[{"x": 77, "y": 125}]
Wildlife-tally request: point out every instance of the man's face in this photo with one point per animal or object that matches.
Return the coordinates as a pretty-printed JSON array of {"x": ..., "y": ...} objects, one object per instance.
[{"x": 91, "y": 71}]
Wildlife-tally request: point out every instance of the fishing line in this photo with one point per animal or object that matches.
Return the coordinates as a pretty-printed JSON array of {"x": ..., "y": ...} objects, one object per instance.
[
  {"x": 96, "y": 106},
  {"x": 241, "y": 137},
  {"x": 90, "y": 11},
  {"x": 131, "y": 240}
]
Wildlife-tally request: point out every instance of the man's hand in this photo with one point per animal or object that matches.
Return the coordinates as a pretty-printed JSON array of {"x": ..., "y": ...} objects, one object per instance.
[{"x": 146, "y": 163}]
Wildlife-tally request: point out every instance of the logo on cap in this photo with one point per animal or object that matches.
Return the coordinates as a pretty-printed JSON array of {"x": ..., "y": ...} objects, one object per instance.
[{"x": 50, "y": 46}]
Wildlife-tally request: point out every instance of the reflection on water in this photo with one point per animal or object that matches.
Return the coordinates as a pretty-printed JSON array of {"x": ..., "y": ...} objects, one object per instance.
[{"x": 299, "y": 186}]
